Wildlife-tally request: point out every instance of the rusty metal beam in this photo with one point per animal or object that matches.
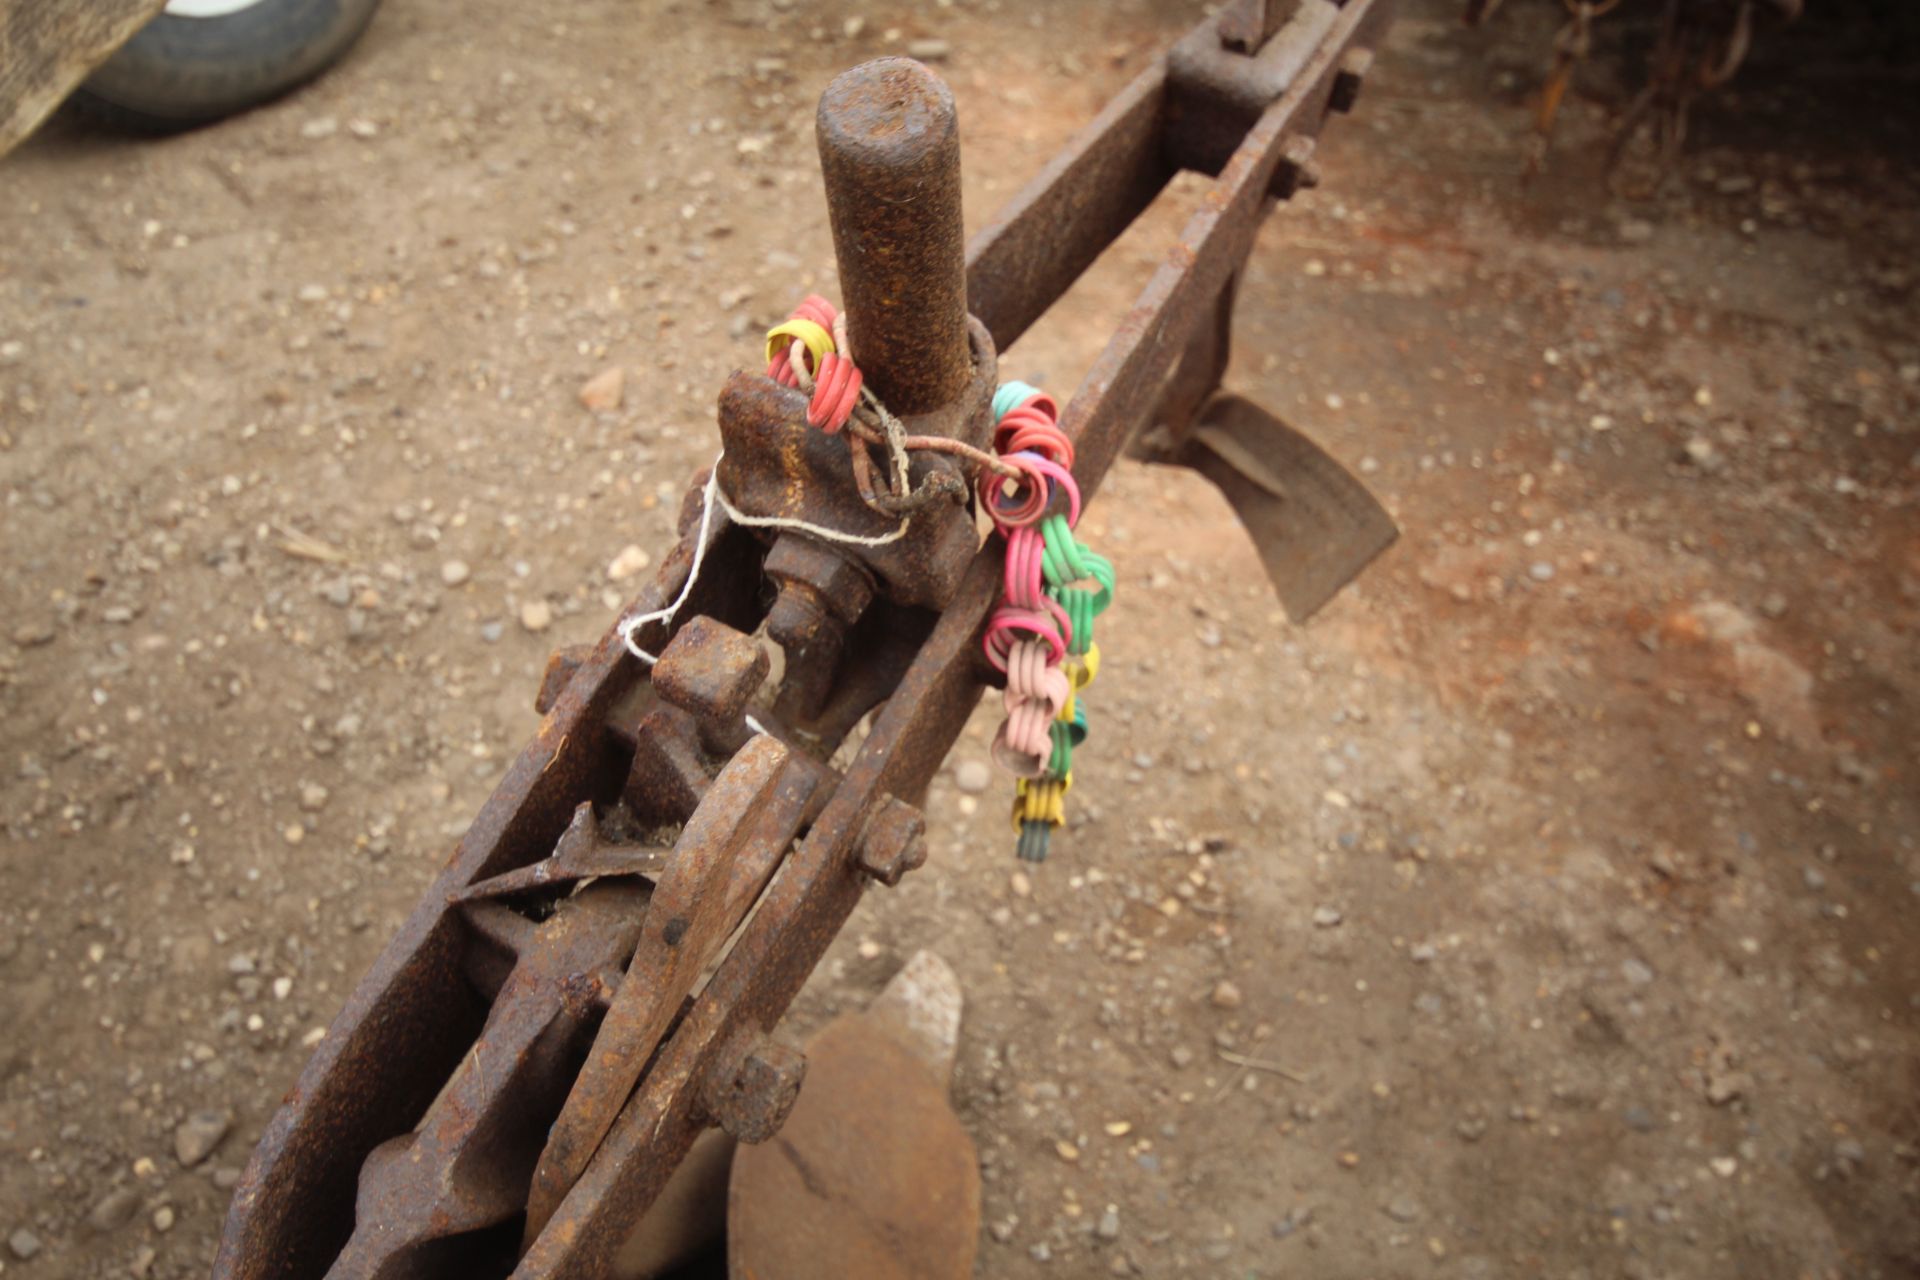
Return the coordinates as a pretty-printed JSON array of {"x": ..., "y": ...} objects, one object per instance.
[
  {"x": 1128, "y": 375},
  {"x": 1043, "y": 239}
]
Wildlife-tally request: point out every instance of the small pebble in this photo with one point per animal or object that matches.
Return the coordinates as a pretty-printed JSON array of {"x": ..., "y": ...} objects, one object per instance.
[
  {"x": 1700, "y": 452},
  {"x": 23, "y": 1243},
  {"x": 455, "y": 572},
  {"x": 1326, "y": 917},
  {"x": 114, "y": 1210},
  {"x": 604, "y": 390},
  {"x": 930, "y": 49},
  {"x": 631, "y": 560},
  {"x": 972, "y": 776},
  {"x": 1402, "y": 1208},
  {"x": 536, "y": 615},
  {"x": 1225, "y": 995},
  {"x": 195, "y": 1139}
]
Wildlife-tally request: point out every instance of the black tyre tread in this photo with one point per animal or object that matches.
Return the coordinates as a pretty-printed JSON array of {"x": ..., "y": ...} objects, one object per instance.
[{"x": 179, "y": 72}]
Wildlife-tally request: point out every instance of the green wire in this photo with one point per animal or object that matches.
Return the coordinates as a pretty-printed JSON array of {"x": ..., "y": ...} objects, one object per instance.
[
  {"x": 1033, "y": 841},
  {"x": 1067, "y": 734}
]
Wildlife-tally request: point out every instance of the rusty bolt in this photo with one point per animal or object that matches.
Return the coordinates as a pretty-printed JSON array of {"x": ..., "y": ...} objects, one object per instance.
[
  {"x": 822, "y": 593},
  {"x": 1246, "y": 26},
  {"x": 1352, "y": 74},
  {"x": 893, "y": 842},
  {"x": 752, "y": 1099},
  {"x": 1298, "y": 169},
  {"x": 561, "y": 664},
  {"x": 710, "y": 670}
]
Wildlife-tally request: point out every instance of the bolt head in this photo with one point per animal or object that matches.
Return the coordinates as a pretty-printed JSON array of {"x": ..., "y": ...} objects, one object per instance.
[{"x": 894, "y": 841}]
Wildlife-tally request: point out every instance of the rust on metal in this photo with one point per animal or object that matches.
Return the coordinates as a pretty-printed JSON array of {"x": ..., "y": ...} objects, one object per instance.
[
  {"x": 581, "y": 853},
  {"x": 1246, "y": 25},
  {"x": 686, "y": 920},
  {"x": 562, "y": 665},
  {"x": 820, "y": 594},
  {"x": 1355, "y": 64},
  {"x": 881, "y": 1193},
  {"x": 642, "y": 774},
  {"x": 711, "y": 671},
  {"x": 749, "y": 1094},
  {"x": 778, "y": 467},
  {"x": 893, "y": 842},
  {"x": 890, "y": 157},
  {"x": 425, "y": 1199}
]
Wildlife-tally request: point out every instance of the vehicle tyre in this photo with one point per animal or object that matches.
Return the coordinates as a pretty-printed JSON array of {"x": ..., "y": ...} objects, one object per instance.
[{"x": 204, "y": 59}]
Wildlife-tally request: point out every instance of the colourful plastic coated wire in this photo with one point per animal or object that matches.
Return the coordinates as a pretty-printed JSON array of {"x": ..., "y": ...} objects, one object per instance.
[
  {"x": 812, "y": 323},
  {"x": 1042, "y": 636},
  {"x": 807, "y": 336},
  {"x": 1010, "y": 395},
  {"x": 1008, "y": 624}
]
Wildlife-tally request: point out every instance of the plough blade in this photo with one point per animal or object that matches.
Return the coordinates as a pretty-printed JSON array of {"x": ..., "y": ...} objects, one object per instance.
[{"x": 1314, "y": 523}]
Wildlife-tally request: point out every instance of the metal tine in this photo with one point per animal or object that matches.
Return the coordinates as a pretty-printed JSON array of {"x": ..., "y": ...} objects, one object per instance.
[{"x": 579, "y": 854}]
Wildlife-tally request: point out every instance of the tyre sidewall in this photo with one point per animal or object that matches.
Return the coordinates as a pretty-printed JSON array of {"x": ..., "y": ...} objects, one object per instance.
[{"x": 181, "y": 71}]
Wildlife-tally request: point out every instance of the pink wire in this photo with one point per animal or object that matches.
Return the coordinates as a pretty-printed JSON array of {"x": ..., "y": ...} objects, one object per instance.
[
  {"x": 835, "y": 394},
  {"x": 1028, "y": 635},
  {"x": 1009, "y": 623},
  {"x": 1032, "y": 492},
  {"x": 1025, "y": 569},
  {"x": 1036, "y": 690},
  {"x": 1028, "y": 428}
]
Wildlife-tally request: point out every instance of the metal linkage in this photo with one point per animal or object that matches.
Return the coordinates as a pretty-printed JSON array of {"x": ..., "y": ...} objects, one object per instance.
[{"x": 529, "y": 1059}]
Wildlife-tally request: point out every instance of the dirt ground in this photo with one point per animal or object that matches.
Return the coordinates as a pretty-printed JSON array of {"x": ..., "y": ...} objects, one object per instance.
[{"x": 1566, "y": 866}]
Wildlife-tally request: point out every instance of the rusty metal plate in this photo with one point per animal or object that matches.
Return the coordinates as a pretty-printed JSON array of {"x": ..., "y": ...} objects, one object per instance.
[
  {"x": 872, "y": 1176},
  {"x": 1314, "y": 523}
]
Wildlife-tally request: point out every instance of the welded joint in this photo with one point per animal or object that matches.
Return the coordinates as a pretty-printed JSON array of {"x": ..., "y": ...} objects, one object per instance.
[
  {"x": 753, "y": 1085},
  {"x": 893, "y": 842}
]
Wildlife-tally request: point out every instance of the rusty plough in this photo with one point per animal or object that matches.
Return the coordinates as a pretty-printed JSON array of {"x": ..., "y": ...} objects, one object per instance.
[{"x": 533, "y": 1054}]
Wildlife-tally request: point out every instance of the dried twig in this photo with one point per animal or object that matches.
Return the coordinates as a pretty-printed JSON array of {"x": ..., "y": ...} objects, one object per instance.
[
  {"x": 305, "y": 546},
  {"x": 1258, "y": 1064}
]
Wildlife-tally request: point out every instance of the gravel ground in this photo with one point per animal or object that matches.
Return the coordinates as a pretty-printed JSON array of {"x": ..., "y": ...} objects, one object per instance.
[{"x": 1545, "y": 907}]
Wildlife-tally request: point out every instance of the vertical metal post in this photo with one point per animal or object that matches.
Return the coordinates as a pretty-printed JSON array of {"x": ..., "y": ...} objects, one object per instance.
[{"x": 890, "y": 155}]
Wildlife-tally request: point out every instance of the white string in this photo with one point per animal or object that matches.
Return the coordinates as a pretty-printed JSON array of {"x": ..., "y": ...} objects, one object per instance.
[
  {"x": 711, "y": 494},
  {"x": 896, "y": 434},
  {"x": 818, "y": 531},
  {"x": 629, "y": 625}
]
